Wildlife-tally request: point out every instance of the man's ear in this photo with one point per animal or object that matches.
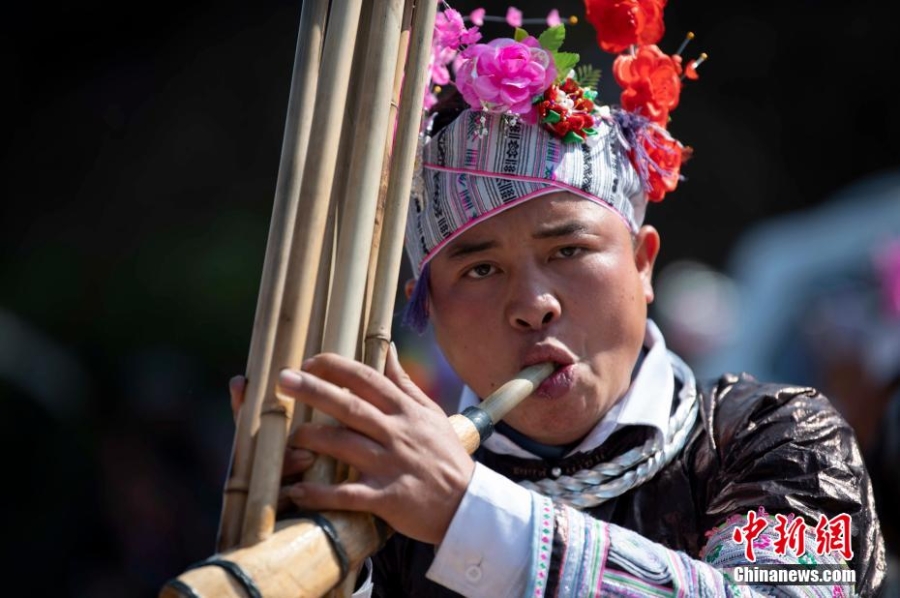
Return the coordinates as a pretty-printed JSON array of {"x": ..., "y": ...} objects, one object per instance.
[
  {"x": 646, "y": 248},
  {"x": 408, "y": 287}
]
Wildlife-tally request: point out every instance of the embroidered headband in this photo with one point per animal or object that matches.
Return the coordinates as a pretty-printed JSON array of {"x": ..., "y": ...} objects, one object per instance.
[{"x": 482, "y": 164}]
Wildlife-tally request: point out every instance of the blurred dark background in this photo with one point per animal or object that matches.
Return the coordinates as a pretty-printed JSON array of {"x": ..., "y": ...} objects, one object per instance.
[{"x": 139, "y": 159}]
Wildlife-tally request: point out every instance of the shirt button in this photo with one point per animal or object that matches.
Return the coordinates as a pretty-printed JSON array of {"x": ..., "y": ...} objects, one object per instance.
[
  {"x": 556, "y": 472},
  {"x": 473, "y": 573}
]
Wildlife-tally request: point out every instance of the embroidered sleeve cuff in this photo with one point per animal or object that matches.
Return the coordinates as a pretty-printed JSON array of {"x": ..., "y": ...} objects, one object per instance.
[{"x": 487, "y": 549}]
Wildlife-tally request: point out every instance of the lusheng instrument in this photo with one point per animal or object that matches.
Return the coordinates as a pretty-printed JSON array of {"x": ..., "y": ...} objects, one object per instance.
[{"x": 328, "y": 284}]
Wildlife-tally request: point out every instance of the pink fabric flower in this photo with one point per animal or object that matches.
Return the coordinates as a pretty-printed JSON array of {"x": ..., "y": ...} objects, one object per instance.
[
  {"x": 553, "y": 18},
  {"x": 470, "y": 36},
  {"x": 477, "y": 17},
  {"x": 531, "y": 42},
  {"x": 450, "y": 34},
  {"x": 448, "y": 28},
  {"x": 514, "y": 17},
  {"x": 440, "y": 75},
  {"x": 457, "y": 62},
  {"x": 505, "y": 75}
]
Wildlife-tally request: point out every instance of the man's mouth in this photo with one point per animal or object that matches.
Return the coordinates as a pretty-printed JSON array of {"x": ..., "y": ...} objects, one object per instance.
[
  {"x": 561, "y": 380},
  {"x": 546, "y": 352}
]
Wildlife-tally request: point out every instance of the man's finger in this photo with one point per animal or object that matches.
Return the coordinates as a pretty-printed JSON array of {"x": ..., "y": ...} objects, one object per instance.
[
  {"x": 350, "y": 496},
  {"x": 339, "y": 403},
  {"x": 345, "y": 445},
  {"x": 359, "y": 378},
  {"x": 396, "y": 374},
  {"x": 296, "y": 461}
]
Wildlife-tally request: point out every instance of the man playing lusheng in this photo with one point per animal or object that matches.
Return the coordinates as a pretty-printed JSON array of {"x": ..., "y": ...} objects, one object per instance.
[{"x": 620, "y": 475}]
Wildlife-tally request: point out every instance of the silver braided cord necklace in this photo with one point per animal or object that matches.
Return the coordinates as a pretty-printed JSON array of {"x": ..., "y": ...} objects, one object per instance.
[{"x": 591, "y": 487}]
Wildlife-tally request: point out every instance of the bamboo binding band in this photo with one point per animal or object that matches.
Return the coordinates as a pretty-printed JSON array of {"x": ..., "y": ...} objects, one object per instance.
[
  {"x": 234, "y": 570},
  {"x": 332, "y": 535},
  {"x": 183, "y": 588}
]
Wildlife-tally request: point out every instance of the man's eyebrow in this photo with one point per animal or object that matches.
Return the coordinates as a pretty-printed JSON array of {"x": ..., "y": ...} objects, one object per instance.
[
  {"x": 560, "y": 230},
  {"x": 461, "y": 249}
]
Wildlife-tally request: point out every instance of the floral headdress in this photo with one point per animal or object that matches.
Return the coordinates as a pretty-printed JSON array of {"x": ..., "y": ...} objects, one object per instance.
[
  {"x": 529, "y": 78},
  {"x": 534, "y": 126}
]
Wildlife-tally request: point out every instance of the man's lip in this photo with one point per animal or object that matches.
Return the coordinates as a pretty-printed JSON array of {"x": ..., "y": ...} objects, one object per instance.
[
  {"x": 548, "y": 353},
  {"x": 557, "y": 384}
]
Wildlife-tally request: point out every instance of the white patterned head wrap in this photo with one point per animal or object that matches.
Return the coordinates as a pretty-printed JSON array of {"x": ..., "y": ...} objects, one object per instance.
[{"x": 482, "y": 164}]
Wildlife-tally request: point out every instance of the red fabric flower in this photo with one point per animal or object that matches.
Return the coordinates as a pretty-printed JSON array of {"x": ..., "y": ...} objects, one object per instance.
[
  {"x": 651, "y": 83},
  {"x": 622, "y": 23},
  {"x": 664, "y": 169},
  {"x": 564, "y": 109}
]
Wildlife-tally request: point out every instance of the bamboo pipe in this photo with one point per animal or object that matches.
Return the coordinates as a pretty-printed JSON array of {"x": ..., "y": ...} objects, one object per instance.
[
  {"x": 375, "y": 253},
  {"x": 378, "y": 284},
  {"x": 378, "y": 328},
  {"x": 355, "y": 236},
  {"x": 320, "y": 304},
  {"x": 299, "y": 561},
  {"x": 356, "y": 227},
  {"x": 349, "y": 136},
  {"x": 290, "y": 173},
  {"x": 305, "y": 253}
]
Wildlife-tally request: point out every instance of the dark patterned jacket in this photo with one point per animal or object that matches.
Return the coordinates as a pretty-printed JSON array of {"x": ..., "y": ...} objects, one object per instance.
[{"x": 753, "y": 445}]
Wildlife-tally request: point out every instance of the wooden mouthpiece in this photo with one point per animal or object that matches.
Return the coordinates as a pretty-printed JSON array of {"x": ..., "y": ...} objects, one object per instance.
[{"x": 475, "y": 424}]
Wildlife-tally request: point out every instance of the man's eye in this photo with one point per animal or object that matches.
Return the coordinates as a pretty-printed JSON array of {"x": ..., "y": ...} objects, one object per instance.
[
  {"x": 568, "y": 251},
  {"x": 480, "y": 271}
]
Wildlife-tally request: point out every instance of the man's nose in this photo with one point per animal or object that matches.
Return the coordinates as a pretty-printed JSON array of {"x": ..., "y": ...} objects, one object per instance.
[{"x": 532, "y": 304}]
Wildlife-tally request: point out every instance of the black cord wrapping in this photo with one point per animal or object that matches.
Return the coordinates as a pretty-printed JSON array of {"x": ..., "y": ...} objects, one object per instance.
[
  {"x": 183, "y": 588},
  {"x": 332, "y": 535},
  {"x": 235, "y": 571}
]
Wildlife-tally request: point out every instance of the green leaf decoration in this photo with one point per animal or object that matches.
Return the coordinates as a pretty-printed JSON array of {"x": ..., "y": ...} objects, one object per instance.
[
  {"x": 520, "y": 34},
  {"x": 552, "y": 117},
  {"x": 565, "y": 62},
  {"x": 552, "y": 39},
  {"x": 587, "y": 76}
]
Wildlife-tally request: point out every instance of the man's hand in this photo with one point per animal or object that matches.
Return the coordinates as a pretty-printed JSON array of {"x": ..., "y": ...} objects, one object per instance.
[{"x": 413, "y": 472}]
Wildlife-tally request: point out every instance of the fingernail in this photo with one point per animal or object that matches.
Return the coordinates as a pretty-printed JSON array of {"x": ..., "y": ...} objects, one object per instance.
[
  {"x": 394, "y": 349},
  {"x": 300, "y": 454},
  {"x": 290, "y": 377},
  {"x": 235, "y": 380},
  {"x": 297, "y": 491}
]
